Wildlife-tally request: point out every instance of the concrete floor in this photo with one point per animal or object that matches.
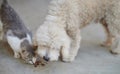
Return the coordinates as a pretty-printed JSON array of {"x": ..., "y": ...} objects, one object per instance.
[{"x": 91, "y": 59}]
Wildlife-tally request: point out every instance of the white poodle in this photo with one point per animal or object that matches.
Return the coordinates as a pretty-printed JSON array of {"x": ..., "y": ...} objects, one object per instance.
[{"x": 59, "y": 36}]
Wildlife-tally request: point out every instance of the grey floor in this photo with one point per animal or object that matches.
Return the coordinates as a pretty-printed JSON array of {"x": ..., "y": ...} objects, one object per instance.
[{"x": 91, "y": 59}]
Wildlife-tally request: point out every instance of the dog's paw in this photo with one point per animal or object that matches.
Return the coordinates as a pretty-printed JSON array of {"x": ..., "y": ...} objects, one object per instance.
[
  {"x": 115, "y": 52},
  {"x": 105, "y": 44},
  {"x": 70, "y": 59}
]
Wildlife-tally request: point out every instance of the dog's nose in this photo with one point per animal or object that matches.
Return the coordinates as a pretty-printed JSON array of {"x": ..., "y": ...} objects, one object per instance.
[{"x": 46, "y": 58}]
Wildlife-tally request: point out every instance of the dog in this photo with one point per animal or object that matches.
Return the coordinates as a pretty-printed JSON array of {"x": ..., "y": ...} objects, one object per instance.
[
  {"x": 59, "y": 35},
  {"x": 16, "y": 34}
]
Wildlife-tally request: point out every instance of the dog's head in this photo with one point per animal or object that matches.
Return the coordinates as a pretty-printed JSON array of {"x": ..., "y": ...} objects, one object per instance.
[
  {"x": 47, "y": 53},
  {"x": 49, "y": 40}
]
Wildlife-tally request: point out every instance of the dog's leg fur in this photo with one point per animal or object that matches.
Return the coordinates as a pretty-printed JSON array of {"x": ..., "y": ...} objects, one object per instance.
[
  {"x": 74, "y": 34},
  {"x": 113, "y": 21},
  {"x": 65, "y": 54},
  {"x": 73, "y": 31},
  {"x": 110, "y": 38},
  {"x": 115, "y": 48}
]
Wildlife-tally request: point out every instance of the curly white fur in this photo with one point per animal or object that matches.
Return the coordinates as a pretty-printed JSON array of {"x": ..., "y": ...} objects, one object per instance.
[{"x": 61, "y": 30}]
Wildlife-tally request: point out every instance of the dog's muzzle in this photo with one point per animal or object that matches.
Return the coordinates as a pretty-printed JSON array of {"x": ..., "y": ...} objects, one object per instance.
[{"x": 46, "y": 58}]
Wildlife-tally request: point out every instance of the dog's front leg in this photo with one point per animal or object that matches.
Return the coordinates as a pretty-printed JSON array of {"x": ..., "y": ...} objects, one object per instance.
[
  {"x": 65, "y": 50},
  {"x": 110, "y": 38},
  {"x": 75, "y": 43},
  {"x": 115, "y": 48},
  {"x": 65, "y": 54}
]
